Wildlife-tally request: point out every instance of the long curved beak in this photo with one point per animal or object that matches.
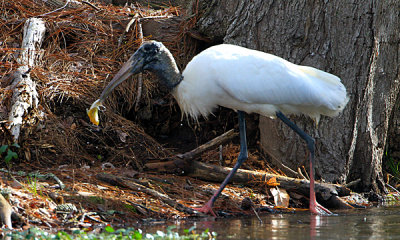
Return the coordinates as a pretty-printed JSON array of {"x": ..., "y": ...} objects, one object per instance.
[{"x": 132, "y": 66}]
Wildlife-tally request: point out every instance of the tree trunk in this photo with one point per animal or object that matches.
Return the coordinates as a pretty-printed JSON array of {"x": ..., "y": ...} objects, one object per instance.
[{"x": 355, "y": 40}]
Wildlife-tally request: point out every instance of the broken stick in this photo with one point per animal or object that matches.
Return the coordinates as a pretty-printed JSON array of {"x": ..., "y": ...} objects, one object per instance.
[
  {"x": 182, "y": 161},
  {"x": 229, "y": 135},
  {"x": 128, "y": 183}
]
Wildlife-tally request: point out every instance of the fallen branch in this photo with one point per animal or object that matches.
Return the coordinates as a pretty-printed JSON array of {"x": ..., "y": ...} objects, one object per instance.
[
  {"x": 35, "y": 175},
  {"x": 182, "y": 163},
  {"x": 55, "y": 10},
  {"x": 329, "y": 193},
  {"x": 60, "y": 5},
  {"x": 229, "y": 135},
  {"x": 91, "y": 5},
  {"x": 176, "y": 166},
  {"x": 128, "y": 183}
]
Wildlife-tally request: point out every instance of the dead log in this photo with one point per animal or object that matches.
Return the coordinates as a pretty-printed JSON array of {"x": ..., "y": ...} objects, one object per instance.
[
  {"x": 129, "y": 183},
  {"x": 328, "y": 193},
  {"x": 25, "y": 96},
  {"x": 176, "y": 166}
]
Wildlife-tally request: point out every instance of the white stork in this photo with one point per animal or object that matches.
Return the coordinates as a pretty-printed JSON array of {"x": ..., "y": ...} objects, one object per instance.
[{"x": 244, "y": 80}]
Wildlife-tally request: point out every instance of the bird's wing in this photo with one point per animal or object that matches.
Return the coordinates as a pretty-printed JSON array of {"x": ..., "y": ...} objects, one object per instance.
[{"x": 260, "y": 78}]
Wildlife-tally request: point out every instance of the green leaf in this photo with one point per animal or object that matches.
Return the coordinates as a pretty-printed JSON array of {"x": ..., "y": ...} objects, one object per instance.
[
  {"x": 3, "y": 148},
  {"x": 109, "y": 229},
  {"x": 10, "y": 155},
  {"x": 138, "y": 235},
  {"x": 16, "y": 145}
]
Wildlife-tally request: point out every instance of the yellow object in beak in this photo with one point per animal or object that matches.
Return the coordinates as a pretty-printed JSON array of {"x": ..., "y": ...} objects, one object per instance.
[{"x": 93, "y": 112}]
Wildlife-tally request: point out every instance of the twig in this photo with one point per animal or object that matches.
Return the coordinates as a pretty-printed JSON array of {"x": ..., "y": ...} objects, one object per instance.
[
  {"x": 83, "y": 218},
  {"x": 51, "y": 176},
  {"x": 140, "y": 77},
  {"x": 128, "y": 26},
  {"x": 393, "y": 188},
  {"x": 90, "y": 4},
  {"x": 287, "y": 170},
  {"x": 125, "y": 182},
  {"x": 301, "y": 174},
  {"x": 252, "y": 207},
  {"x": 140, "y": 33},
  {"x": 220, "y": 155},
  {"x": 89, "y": 215},
  {"x": 37, "y": 175},
  {"x": 305, "y": 172},
  {"x": 143, "y": 207},
  {"x": 58, "y": 9},
  {"x": 154, "y": 17}
]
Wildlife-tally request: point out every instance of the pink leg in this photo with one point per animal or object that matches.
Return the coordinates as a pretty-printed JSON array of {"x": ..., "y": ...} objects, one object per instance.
[
  {"x": 315, "y": 207},
  {"x": 207, "y": 208}
]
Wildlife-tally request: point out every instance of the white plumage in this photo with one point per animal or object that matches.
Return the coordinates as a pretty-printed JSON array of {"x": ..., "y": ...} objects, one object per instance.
[
  {"x": 253, "y": 81},
  {"x": 244, "y": 80}
]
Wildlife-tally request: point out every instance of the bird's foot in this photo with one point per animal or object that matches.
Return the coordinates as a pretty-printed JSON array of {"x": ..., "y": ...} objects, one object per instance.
[
  {"x": 206, "y": 209},
  {"x": 316, "y": 208}
]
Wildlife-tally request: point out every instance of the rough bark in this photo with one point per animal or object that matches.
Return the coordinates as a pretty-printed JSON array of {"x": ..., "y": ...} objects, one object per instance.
[
  {"x": 25, "y": 96},
  {"x": 355, "y": 40}
]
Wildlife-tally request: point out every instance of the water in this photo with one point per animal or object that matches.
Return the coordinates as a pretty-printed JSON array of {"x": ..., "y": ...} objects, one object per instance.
[{"x": 375, "y": 223}]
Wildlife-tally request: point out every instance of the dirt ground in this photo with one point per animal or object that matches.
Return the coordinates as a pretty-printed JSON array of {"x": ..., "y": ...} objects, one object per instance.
[{"x": 88, "y": 202}]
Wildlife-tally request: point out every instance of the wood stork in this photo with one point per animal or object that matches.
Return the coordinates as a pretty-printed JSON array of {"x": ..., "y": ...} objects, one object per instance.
[{"x": 244, "y": 80}]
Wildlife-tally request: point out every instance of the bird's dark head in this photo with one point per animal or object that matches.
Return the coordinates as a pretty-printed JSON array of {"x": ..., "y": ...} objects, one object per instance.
[
  {"x": 152, "y": 56},
  {"x": 148, "y": 56}
]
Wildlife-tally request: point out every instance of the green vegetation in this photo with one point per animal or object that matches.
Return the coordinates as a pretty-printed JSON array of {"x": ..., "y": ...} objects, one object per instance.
[
  {"x": 32, "y": 185},
  {"x": 10, "y": 153},
  {"x": 96, "y": 200},
  {"x": 394, "y": 166},
  {"x": 130, "y": 207},
  {"x": 110, "y": 233}
]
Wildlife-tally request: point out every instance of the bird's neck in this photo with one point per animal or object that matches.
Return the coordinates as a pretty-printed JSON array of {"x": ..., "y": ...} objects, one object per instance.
[
  {"x": 169, "y": 77},
  {"x": 169, "y": 73}
]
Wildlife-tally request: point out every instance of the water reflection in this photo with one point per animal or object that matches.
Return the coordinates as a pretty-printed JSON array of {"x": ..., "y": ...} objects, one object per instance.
[{"x": 376, "y": 223}]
